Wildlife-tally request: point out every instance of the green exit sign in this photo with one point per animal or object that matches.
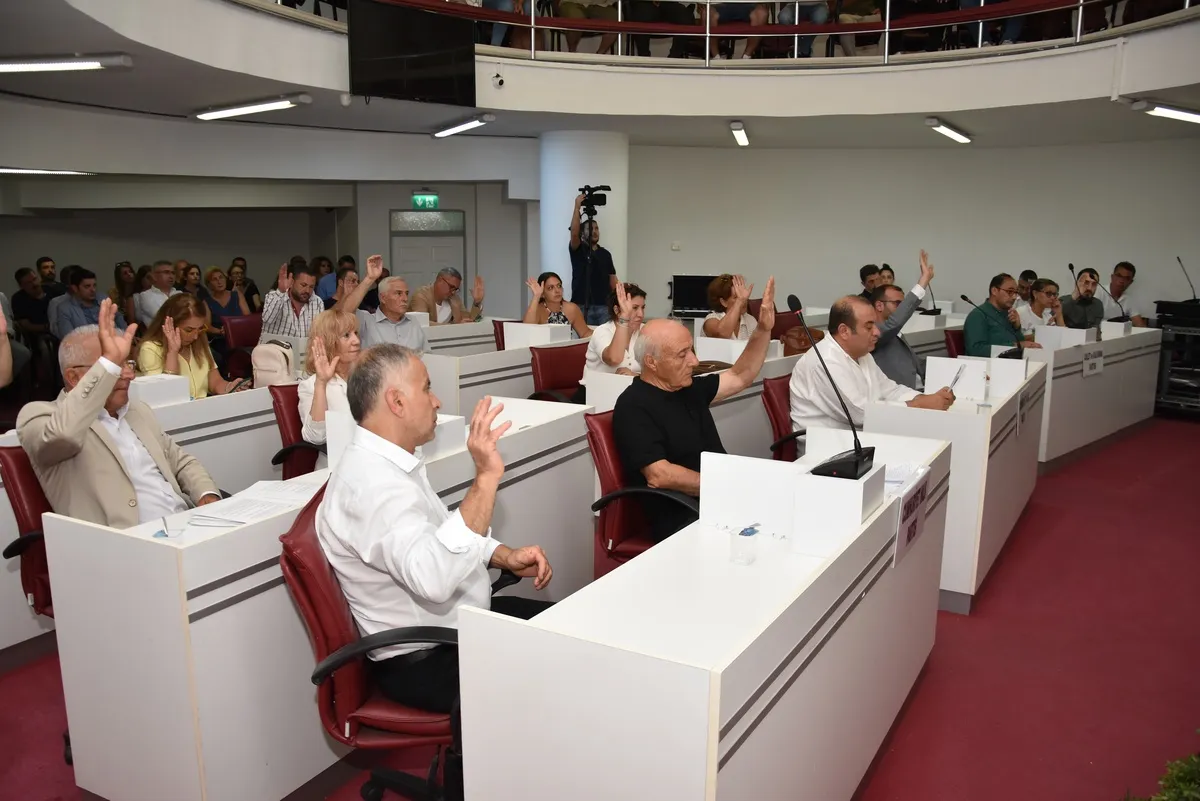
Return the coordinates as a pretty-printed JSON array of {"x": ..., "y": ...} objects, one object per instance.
[{"x": 425, "y": 200}]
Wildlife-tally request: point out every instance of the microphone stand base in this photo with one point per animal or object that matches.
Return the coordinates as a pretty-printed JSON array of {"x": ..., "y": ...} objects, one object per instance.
[
  {"x": 848, "y": 464},
  {"x": 934, "y": 312}
]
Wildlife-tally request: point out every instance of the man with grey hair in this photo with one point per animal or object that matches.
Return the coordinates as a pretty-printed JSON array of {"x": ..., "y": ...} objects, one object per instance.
[
  {"x": 402, "y": 558},
  {"x": 99, "y": 456},
  {"x": 389, "y": 324},
  {"x": 441, "y": 302},
  {"x": 662, "y": 422}
]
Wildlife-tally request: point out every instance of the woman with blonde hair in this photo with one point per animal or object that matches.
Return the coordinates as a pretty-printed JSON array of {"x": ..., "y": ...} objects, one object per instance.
[
  {"x": 175, "y": 344},
  {"x": 333, "y": 349}
]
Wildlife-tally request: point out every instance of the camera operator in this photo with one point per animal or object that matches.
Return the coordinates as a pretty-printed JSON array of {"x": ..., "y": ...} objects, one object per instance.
[{"x": 593, "y": 275}]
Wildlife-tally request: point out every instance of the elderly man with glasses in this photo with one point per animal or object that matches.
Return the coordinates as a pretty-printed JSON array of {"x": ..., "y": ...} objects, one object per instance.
[
  {"x": 996, "y": 322},
  {"x": 441, "y": 301}
]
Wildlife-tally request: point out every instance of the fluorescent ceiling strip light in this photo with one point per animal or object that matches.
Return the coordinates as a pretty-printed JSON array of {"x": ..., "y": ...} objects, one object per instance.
[
  {"x": 1174, "y": 113},
  {"x": 258, "y": 107},
  {"x": 66, "y": 63},
  {"x": 945, "y": 130},
  {"x": 474, "y": 122},
  {"x": 739, "y": 133},
  {"x": 28, "y": 171}
]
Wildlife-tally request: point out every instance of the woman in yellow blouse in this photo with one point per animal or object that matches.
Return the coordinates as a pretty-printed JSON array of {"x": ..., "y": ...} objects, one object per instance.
[{"x": 175, "y": 344}]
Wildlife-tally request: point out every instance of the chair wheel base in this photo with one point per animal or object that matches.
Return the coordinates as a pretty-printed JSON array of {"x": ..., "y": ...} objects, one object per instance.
[
  {"x": 405, "y": 785},
  {"x": 371, "y": 791},
  {"x": 67, "y": 748}
]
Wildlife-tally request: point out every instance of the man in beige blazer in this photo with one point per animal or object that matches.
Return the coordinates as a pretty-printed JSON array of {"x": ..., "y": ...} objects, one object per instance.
[
  {"x": 99, "y": 457},
  {"x": 441, "y": 302}
]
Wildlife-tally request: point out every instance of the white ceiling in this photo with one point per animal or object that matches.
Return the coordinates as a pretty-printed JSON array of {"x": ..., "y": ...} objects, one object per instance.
[{"x": 162, "y": 83}]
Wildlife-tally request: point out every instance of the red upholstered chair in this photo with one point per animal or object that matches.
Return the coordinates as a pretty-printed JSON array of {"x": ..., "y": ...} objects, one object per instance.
[
  {"x": 498, "y": 332},
  {"x": 297, "y": 456},
  {"x": 29, "y": 503},
  {"x": 753, "y": 307},
  {"x": 242, "y": 333},
  {"x": 352, "y": 710},
  {"x": 556, "y": 371},
  {"x": 623, "y": 532},
  {"x": 956, "y": 343},
  {"x": 779, "y": 411}
]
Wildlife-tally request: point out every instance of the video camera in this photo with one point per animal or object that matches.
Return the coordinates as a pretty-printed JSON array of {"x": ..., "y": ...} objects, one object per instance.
[{"x": 591, "y": 199}]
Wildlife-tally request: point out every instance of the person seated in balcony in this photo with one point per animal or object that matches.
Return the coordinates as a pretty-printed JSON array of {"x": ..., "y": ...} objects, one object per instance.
[
  {"x": 852, "y": 12},
  {"x": 520, "y": 36},
  {"x": 1010, "y": 34},
  {"x": 547, "y": 306},
  {"x": 589, "y": 9},
  {"x": 794, "y": 13},
  {"x": 742, "y": 14},
  {"x": 665, "y": 11},
  {"x": 728, "y": 297}
]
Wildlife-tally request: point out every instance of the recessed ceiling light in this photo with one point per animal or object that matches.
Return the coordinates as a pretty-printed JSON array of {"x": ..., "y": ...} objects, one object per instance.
[
  {"x": 106, "y": 61},
  {"x": 739, "y": 133},
  {"x": 30, "y": 171},
  {"x": 466, "y": 125},
  {"x": 945, "y": 130},
  {"x": 254, "y": 107}
]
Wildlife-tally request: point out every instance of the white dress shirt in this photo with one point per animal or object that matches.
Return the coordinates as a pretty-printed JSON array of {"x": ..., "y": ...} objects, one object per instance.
[
  {"x": 444, "y": 311},
  {"x": 746, "y": 325},
  {"x": 147, "y": 303},
  {"x": 335, "y": 401},
  {"x": 1132, "y": 304},
  {"x": 1030, "y": 321},
  {"x": 813, "y": 402},
  {"x": 602, "y": 337},
  {"x": 401, "y": 557}
]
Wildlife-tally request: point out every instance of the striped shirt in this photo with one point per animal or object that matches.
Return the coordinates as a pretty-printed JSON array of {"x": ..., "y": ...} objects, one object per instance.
[{"x": 279, "y": 317}]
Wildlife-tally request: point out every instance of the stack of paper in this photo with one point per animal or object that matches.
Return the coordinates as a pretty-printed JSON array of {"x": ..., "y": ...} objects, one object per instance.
[{"x": 236, "y": 511}]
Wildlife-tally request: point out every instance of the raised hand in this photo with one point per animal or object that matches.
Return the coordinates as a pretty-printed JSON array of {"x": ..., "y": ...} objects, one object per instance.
[
  {"x": 482, "y": 438},
  {"x": 926, "y": 270},
  {"x": 477, "y": 290},
  {"x": 325, "y": 367},
  {"x": 624, "y": 302},
  {"x": 285, "y": 280},
  {"x": 535, "y": 288},
  {"x": 1014, "y": 317},
  {"x": 531, "y": 562},
  {"x": 741, "y": 291},
  {"x": 374, "y": 268},
  {"x": 171, "y": 336},
  {"x": 113, "y": 346},
  {"x": 766, "y": 314}
]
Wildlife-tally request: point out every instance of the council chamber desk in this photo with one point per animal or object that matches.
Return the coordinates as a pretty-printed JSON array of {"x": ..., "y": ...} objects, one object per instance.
[
  {"x": 1098, "y": 388},
  {"x": 461, "y": 381},
  {"x": 185, "y": 664},
  {"x": 681, "y": 676},
  {"x": 233, "y": 436},
  {"x": 463, "y": 339}
]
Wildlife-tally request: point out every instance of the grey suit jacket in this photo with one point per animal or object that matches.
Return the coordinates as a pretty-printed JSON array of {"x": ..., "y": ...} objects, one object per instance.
[
  {"x": 893, "y": 355},
  {"x": 80, "y": 467}
]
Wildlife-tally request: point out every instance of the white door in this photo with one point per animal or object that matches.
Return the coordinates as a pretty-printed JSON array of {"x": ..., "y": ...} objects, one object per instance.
[{"x": 417, "y": 259}]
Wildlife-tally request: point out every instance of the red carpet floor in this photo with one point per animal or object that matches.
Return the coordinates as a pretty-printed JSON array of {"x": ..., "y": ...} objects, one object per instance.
[{"x": 1075, "y": 678}]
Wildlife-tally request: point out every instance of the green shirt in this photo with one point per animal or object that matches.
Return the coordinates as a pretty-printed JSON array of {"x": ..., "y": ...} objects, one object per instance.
[{"x": 986, "y": 326}]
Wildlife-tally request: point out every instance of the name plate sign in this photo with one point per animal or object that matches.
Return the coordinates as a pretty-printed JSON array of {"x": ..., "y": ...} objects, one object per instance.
[
  {"x": 1093, "y": 362},
  {"x": 910, "y": 522}
]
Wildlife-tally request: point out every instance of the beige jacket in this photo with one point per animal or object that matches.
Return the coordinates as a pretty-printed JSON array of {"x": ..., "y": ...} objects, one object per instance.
[
  {"x": 80, "y": 467},
  {"x": 423, "y": 301}
]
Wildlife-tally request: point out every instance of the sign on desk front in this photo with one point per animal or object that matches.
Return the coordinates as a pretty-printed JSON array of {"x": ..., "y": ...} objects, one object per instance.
[
  {"x": 1093, "y": 361},
  {"x": 910, "y": 521}
]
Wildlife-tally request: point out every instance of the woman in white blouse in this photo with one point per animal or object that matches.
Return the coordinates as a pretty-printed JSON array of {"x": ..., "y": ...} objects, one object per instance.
[
  {"x": 728, "y": 297},
  {"x": 611, "y": 348},
  {"x": 333, "y": 349}
]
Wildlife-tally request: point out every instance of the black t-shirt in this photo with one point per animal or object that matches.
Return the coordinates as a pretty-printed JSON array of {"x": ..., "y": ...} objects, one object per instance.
[
  {"x": 651, "y": 424},
  {"x": 31, "y": 309},
  {"x": 597, "y": 274}
]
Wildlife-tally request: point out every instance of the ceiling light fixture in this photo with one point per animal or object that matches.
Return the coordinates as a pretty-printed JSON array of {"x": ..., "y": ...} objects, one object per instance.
[
  {"x": 254, "y": 107},
  {"x": 739, "y": 133},
  {"x": 106, "y": 61},
  {"x": 29, "y": 171},
  {"x": 945, "y": 130},
  {"x": 457, "y": 128},
  {"x": 1155, "y": 110}
]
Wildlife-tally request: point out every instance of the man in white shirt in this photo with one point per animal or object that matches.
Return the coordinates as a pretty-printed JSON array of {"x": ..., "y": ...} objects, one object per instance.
[
  {"x": 146, "y": 304},
  {"x": 847, "y": 354},
  {"x": 389, "y": 323},
  {"x": 98, "y": 456},
  {"x": 1129, "y": 305},
  {"x": 401, "y": 557},
  {"x": 1025, "y": 288}
]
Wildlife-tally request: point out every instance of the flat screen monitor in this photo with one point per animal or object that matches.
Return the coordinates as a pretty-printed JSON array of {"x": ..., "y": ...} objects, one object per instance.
[
  {"x": 406, "y": 53},
  {"x": 689, "y": 294}
]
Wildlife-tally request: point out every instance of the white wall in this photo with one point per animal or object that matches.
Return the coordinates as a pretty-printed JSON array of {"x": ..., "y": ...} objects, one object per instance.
[
  {"x": 98, "y": 239},
  {"x": 812, "y": 218}
]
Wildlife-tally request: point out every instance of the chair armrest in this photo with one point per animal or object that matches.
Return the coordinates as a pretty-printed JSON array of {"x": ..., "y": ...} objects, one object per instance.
[
  {"x": 409, "y": 635},
  {"x": 287, "y": 451},
  {"x": 507, "y": 578},
  {"x": 674, "y": 495},
  {"x": 550, "y": 395},
  {"x": 20, "y": 544},
  {"x": 779, "y": 443}
]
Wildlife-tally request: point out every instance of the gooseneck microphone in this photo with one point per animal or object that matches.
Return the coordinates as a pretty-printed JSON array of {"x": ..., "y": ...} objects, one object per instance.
[
  {"x": 848, "y": 464},
  {"x": 1189, "y": 280},
  {"x": 1012, "y": 353},
  {"x": 968, "y": 300},
  {"x": 933, "y": 309},
  {"x": 1124, "y": 316}
]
